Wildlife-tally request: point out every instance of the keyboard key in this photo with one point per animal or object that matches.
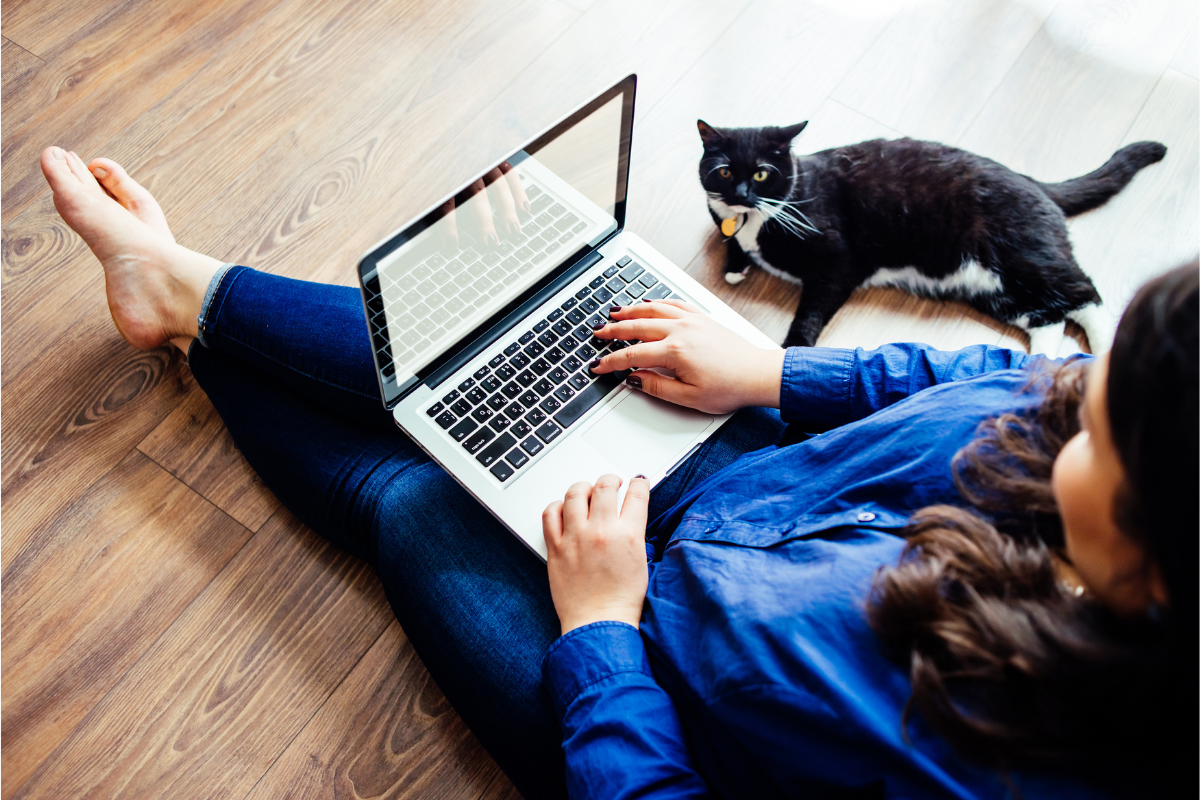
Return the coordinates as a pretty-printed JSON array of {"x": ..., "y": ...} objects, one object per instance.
[
  {"x": 635, "y": 290},
  {"x": 632, "y": 271},
  {"x": 576, "y": 316},
  {"x": 467, "y": 384},
  {"x": 484, "y": 370},
  {"x": 602, "y": 296},
  {"x": 590, "y": 397},
  {"x": 566, "y": 222},
  {"x": 497, "y": 361},
  {"x": 512, "y": 348},
  {"x": 562, "y": 327},
  {"x": 532, "y": 446},
  {"x": 541, "y": 326},
  {"x": 571, "y": 303},
  {"x": 585, "y": 353},
  {"x": 613, "y": 270},
  {"x": 568, "y": 343},
  {"x": 548, "y": 338},
  {"x": 526, "y": 379},
  {"x": 615, "y": 285},
  {"x": 502, "y": 470},
  {"x": 535, "y": 417},
  {"x": 496, "y": 449},
  {"x": 647, "y": 280},
  {"x": 497, "y": 402},
  {"x": 520, "y": 361},
  {"x": 460, "y": 431},
  {"x": 622, "y": 300},
  {"x": 543, "y": 387},
  {"x": 582, "y": 333},
  {"x": 521, "y": 429},
  {"x": 511, "y": 390},
  {"x": 564, "y": 393},
  {"x": 482, "y": 414},
  {"x": 572, "y": 364},
  {"x": 658, "y": 292},
  {"x": 589, "y": 306},
  {"x": 514, "y": 411},
  {"x": 541, "y": 366},
  {"x": 597, "y": 282},
  {"x": 584, "y": 292},
  {"x": 526, "y": 337},
  {"x": 461, "y": 408},
  {"x": 555, "y": 314},
  {"x": 558, "y": 375},
  {"x": 579, "y": 381},
  {"x": 499, "y": 423},
  {"x": 505, "y": 372},
  {"x": 446, "y": 419},
  {"x": 435, "y": 409},
  {"x": 517, "y": 458},
  {"x": 477, "y": 440},
  {"x": 554, "y": 355},
  {"x": 529, "y": 399},
  {"x": 476, "y": 396},
  {"x": 548, "y": 432},
  {"x": 549, "y": 405},
  {"x": 490, "y": 384},
  {"x": 623, "y": 260},
  {"x": 533, "y": 350},
  {"x": 550, "y": 248}
]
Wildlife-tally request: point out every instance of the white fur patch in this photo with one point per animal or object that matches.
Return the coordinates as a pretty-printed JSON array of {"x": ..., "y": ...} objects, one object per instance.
[
  {"x": 1047, "y": 339},
  {"x": 970, "y": 279},
  {"x": 751, "y": 221},
  {"x": 1097, "y": 323},
  {"x": 735, "y": 277}
]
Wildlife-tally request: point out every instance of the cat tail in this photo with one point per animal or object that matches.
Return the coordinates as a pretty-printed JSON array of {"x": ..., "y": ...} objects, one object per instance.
[{"x": 1094, "y": 189}]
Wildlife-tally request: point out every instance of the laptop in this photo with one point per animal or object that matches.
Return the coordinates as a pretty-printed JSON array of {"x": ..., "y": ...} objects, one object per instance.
[{"x": 482, "y": 344}]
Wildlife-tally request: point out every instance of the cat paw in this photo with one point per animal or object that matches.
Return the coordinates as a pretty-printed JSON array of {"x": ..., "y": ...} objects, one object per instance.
[{"x": 736, "y": 277}]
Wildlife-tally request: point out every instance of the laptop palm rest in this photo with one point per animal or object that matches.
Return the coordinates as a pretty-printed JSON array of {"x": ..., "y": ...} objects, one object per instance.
[{"x": 644, "y": 435}]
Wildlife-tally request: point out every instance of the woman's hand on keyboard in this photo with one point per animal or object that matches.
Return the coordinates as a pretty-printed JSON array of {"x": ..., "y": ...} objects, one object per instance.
[
  {"x": 596, "y": 556},
  {"x": 500, "y": 188},
  {"x": 716, "y": 370}
]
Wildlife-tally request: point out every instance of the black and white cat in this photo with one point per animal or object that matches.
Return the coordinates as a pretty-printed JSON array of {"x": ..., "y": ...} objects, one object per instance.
[{"x": 931, "y": 219}]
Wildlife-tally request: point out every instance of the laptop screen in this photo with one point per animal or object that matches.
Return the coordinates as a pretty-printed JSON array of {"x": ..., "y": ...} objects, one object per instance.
[{"x": 497, "y": 239}]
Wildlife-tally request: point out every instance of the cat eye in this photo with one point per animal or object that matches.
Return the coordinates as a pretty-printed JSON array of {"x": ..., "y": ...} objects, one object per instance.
[
  {"x": 760, "y": 176},
  {"x": 724, "y": 173}
]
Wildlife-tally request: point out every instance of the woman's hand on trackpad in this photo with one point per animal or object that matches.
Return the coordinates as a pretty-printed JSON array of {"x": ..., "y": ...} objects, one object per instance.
[{"x": 716, "y": 371}]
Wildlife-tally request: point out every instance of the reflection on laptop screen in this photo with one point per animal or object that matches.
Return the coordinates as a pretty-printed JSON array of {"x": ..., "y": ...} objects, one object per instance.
[{"x": 449, "y": 275}]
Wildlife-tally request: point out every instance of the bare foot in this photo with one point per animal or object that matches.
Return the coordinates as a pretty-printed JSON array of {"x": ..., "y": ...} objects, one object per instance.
[{"x": 155, "y": 287}]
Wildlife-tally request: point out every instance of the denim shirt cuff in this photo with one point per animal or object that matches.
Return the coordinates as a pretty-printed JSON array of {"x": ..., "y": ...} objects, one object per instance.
[
  {"x": 590, "y": 654},
  {"x": 816, "y": 385}
]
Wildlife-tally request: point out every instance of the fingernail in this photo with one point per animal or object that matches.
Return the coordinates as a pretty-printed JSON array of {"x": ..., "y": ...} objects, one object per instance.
[
  {"x": 493, "y": 240},
  {"x": 598, "y": 324},
  {"x": 100, "y": 172},
  {"x": 634, "y": 381},
  {"x": 594, "y": 363},
  {"x": 647, "y": 300},
  {"x": 614, "y": 309},
  {"x": 58, "y": 154},
  {"x": 514, "y": 228},
  {"x": 643, "y": 477},
  {"x": 528, "y": 208}
]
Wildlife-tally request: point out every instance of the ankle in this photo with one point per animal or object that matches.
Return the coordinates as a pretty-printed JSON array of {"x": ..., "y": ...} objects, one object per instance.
[{"x": 192, "y": 273}]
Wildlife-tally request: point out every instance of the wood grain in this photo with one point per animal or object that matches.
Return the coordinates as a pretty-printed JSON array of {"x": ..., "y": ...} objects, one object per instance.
[
  {"x": 1187, "y": 57},
  {"x": 1070, "y": 97},
  {"x": 193, "y": 444},
  {"x": 250, "y": 661},
  {"x": 96, "y": 589},
  {"x": 17, "y": 66},
  {"x": 934, "y": 66},
  {"x": 46, "y": 27},
  {"x": 387, "y": 732}
]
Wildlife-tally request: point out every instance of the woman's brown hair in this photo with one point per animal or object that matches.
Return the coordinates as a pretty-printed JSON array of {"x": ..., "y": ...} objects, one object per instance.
[{"x": 1007, "y": 663}]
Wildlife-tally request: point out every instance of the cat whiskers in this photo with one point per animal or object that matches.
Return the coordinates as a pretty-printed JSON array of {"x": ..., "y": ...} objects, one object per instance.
[{"x": 790, "y": 218}]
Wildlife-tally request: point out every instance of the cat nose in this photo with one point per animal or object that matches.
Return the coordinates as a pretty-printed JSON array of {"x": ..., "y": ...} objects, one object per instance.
[{"x": 743, "y": 189}]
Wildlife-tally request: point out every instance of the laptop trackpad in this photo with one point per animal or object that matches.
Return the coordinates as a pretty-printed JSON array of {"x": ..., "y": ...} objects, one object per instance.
[{"x": 644, "y": 435}]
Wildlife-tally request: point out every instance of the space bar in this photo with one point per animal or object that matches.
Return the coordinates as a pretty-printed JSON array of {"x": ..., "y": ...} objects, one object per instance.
[{"x": 589, "y": 397}]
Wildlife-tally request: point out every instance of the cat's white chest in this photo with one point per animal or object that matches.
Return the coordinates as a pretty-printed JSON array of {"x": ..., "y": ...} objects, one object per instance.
[{"x": 750, "y": 223}]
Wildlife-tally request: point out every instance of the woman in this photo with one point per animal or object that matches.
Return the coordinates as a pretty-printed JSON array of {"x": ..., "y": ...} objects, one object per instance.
[{"x": 791, "y": 600}]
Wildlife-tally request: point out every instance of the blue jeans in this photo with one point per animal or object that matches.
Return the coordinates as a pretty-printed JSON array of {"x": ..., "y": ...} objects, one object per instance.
[{"x": 288, "y": 366}]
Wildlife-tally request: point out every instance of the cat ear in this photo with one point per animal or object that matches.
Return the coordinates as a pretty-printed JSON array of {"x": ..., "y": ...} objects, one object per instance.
[
  {"x": 785, "y": 135},
  {"x": 709, "y": 134}
]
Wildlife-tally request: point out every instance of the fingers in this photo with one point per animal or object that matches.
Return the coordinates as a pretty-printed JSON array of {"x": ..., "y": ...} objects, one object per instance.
[
  {"x": 644, "y": 355},
  {"x": 481, "y": 212},
  {"x": 604, "y": 498},
  {"x": 640, "y": 330},
  {"x": 575, "y": 505},
  {"x": 506, "y": 208},
  {"x": 514, "y": 186},
  {"x": 665, "y": 388},
  {"x": 637, "y": 502},
  {"x": 660, "y": 309},
  {"x": 552, "y": 524}
]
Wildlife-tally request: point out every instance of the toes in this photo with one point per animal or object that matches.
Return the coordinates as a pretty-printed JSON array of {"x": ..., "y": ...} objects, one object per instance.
[
  {"x": 58, "y": 173},
  {"x": 80, "y": 170},
  {"x": 129, "y": 193}
]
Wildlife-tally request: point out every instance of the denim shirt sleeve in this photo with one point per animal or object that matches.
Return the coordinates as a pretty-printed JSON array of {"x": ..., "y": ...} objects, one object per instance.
[
  {"x": 621, "y": 735},
  {"x": 827, "y": 387}
]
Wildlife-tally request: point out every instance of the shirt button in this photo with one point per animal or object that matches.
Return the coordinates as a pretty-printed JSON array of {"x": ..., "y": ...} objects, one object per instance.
[{"x": 866, "y": 516}]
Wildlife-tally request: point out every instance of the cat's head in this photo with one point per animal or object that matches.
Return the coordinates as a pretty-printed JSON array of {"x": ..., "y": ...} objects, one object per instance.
[{"x": 741, "y": 166}]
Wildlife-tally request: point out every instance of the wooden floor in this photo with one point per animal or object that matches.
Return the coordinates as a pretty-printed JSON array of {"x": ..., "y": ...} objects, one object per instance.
[{"x": 168, "y": 629}]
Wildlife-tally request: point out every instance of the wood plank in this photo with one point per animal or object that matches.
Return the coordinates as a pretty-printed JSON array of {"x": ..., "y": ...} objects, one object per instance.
[
  {"x": 70, "y": 419},
  {"x": 46, "y": 27},
  {"x": 1187, "y": 57},
  {"x": 812, "y": 47},
  {"x": 17, "y": 67},
  {"x": 218, "y": 697},
  {"x": 1154, "y": 223},
  {"x": 170, "y": 48},
  {"x": 1062, "y": 110},
  {"x": 387, "y": 732},
  {"x": 953, "y": 56},
  {"x": 249, "y": 100},
  {"x": 99, "y": 586},
  {"x": 193, "y": 444}
]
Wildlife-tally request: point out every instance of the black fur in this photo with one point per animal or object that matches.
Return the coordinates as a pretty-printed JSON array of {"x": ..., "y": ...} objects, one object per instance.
[{"x": 906, "y": 203}]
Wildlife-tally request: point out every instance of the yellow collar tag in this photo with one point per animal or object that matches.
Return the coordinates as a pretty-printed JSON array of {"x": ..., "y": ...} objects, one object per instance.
[{"x": 729, "y": 226}]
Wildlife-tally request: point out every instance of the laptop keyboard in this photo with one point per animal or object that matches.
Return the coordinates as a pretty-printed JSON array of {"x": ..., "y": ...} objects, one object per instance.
[
  {"x": 438, "y": 294},
  {"x": 516, "y": 405}
]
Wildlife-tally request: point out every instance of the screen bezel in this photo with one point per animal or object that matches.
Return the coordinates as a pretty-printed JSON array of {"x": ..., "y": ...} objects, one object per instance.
[{"x": 394, "y": 393}]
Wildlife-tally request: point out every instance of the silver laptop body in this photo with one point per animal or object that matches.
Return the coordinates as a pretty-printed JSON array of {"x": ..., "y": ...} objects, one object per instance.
[{"x": 481, "y": 349}]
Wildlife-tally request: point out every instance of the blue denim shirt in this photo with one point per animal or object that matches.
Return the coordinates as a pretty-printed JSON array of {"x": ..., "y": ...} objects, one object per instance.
[{"x": 755, "y": 673}]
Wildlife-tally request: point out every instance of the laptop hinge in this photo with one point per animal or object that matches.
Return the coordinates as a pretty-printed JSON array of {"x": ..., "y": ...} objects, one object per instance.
[{"x": 513, "y": 319}]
